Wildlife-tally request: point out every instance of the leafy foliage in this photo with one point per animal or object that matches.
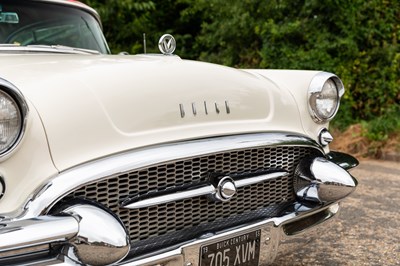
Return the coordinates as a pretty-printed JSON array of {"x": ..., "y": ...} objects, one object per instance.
[
  {"x": 124, "y": 22},
  {"x": 358, "y": 40}
]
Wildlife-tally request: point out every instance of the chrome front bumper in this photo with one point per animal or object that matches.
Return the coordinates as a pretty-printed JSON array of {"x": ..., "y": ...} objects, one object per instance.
[
  {"x": 301, "y": 223},
  {"x": 298, "y": 223}
]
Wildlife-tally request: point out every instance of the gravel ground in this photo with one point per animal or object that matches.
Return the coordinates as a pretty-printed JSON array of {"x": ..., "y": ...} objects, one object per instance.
[{"x": 367, "y": 231}]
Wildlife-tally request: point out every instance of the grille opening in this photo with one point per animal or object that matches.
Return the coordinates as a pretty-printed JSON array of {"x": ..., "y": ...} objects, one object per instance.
[{"x": 173, "y": 217}]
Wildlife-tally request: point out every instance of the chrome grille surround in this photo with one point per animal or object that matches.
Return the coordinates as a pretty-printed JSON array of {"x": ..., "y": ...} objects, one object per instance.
[
  {"x": 170, "y": 217},
  {"x": 157, "y": 159}
]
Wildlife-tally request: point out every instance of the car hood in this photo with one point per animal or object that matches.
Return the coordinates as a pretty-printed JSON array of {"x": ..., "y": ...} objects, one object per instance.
[{"x": 95, "y": 105}]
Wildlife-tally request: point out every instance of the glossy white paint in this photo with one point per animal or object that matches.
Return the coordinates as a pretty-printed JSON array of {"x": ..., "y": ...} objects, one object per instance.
[
  {"x": 297, "y": 83},
  {"x": 28, "y": 166},
  {"x": 92, "y": 106}
]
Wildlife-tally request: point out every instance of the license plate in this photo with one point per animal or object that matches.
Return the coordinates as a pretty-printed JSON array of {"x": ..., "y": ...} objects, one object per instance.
[{"x": 243, "y": 250}]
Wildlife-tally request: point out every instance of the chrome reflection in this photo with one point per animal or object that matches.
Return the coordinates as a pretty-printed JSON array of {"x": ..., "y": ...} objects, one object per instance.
[
  {"x": 226, "y": 189},
  {"x": 325, "y": 137},
  {"x": 344, "y": 160},
  {"x": 319, "y": 180},
  {"x": 167, "y": 44},
  {"x": 102, "y": 238}
]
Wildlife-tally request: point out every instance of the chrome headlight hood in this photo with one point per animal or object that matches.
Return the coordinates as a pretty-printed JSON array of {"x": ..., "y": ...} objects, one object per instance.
[
  {"x": 324, "y": 95},
  {"x": 305, "y": 87}
]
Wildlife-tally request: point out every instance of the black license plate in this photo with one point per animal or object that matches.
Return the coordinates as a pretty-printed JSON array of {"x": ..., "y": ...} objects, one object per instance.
[{"x": 243, "y": 250}]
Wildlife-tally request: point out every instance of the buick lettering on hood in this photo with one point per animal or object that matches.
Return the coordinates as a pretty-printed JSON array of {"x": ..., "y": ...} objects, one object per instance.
[{"x": 150, "y": 159}]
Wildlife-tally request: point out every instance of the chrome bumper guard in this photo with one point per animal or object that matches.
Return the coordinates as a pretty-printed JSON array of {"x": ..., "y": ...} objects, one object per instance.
[{"x": 85, "y": 233}]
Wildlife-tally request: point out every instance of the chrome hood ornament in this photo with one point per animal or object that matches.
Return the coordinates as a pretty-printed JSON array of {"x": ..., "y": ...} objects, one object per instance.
[{"x": 167, "y": 44}]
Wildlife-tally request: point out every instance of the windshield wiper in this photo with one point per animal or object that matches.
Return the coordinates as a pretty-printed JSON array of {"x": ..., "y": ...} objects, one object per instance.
[
  {"x": 9, "y": 45},
  {"x": 63, "y": 48},
  {"x": 48, "y": 48}
]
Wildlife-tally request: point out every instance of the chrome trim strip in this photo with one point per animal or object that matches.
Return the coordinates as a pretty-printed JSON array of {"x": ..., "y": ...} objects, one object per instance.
[
  {"x": 8, "y": 256},
  {"x": 194, "y": 109},
  {"x": 228, "y": 109},
  {"x": 259, "y": 179},
  {"x": 152, "y": 201},
  {"x": 52, "y": 191},
  {"x": 182, "y": 110},
  {"x": 15, "y": 93},
  {"x": 217, "y": 108},
  {"x": 187, "y": 192}
]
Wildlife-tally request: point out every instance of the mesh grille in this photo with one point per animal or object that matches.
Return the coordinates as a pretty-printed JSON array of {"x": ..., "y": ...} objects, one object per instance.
[{"x": 171, "y": 217}]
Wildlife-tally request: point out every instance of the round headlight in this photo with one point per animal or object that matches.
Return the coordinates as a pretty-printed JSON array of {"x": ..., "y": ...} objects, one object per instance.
[
  {"x": 324, "y": 96},
  {"x": 13, "y": 110},
  {"x": 10, "y": 121}
]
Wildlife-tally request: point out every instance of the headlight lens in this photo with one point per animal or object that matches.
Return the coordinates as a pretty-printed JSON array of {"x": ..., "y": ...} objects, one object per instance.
[
  {"x": 324, "y": 96},
  {"x": 325, "y": 101},
  {"x": 10, "y": 122},
  {"x": 13, "y": 116}
]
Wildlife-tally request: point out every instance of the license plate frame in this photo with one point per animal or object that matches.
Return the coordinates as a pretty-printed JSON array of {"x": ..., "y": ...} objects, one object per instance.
[{"x": 240, "y": 250}]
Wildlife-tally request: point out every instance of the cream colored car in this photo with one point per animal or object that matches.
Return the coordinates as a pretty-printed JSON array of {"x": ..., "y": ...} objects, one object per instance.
[{"x": 152, "y": 159}]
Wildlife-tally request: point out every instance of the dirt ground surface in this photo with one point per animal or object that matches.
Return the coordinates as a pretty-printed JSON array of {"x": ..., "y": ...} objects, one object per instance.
[
  {"x": 367, "y": 231},
  {"x": 354, "y": 142}
]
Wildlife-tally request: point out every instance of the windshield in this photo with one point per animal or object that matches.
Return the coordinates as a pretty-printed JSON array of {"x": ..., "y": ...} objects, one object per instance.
[{"x": 41, "y": 23}]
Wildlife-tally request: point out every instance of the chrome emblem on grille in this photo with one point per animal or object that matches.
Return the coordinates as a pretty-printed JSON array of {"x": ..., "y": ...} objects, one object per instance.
[
  {"x": 167, "y": 44},
  {"x": 226, "y": 189}
]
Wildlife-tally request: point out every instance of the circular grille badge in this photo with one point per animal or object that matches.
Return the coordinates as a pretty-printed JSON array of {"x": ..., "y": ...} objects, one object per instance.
[{"x": 226, "y": 188}]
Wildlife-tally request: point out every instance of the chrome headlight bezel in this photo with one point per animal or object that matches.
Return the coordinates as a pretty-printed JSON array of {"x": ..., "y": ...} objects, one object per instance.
[
  {"x": 22, "y": 107},
  {"x": 316, "y": 87}
]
